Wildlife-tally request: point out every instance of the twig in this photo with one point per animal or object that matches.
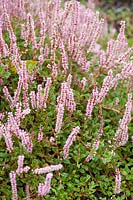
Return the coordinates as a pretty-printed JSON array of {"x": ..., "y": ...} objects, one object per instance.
[{"x": 111, "y": 108}]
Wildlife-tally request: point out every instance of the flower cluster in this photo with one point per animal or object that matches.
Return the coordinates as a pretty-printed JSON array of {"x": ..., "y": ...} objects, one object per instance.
[
  {"x": 12, "y": 126},
  {"x": 70, "y": 140},
  {"x": 39, "y": 100}
]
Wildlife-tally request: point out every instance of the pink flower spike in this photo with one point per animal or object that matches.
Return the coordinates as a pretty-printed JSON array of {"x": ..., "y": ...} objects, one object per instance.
[
  {"x": 20, "y": 164},
  {"x": 117, "y": 181},
  {"x": 69, "y": 80},
  {"x": 71, "y": 105},
  {"x": 64, "y": 92},
  {"x": 33, "y": 99},
  {"x": 27, "y": 188},
  {"x": 30, "y": 31},
  {"x": 40, "y": 134},
  {"x": 39, "y": 96},
  {"x": 44, "y": 189},
  {"x": 48, "y": 169},
  {"x": 8, "y": 138},
  {"x": 6, "y": 93},
  {"x": 121, "y": 136},
  {"x": 71, "y": 138},
  {"x": 25, "y": 85},
  {"x": 40, "y": 189},
  {"x": 83, "y": 83},
  {"x": 92, "y": 101},
  {"x": 59, "y": 118},
  {"x": 46, "y": 91},
  {"x": 12, "y": 176}
]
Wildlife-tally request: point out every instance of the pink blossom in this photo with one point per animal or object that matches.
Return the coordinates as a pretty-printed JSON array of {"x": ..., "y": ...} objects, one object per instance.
[
  {"x": 39, "y": 96},
  {"x": 20, "y": 164},
  {"x": 96, "y": 35},
  {"x": 8, "y": 138},
  {"x": 23, "y": 32},
  {"x": 6, "y": 93},
  {"x": 26, "y": 169},
  {"x": 121, "y": 136},
  {"x": 30, "y": 31},
  {"x": 102, "y": 58},
  {"x": 117, "y": 181},
  {"x": 127, "y": 70},
  {"x": 4, "y": 51},
  {"x": 44, "y": 189},
  {"x": 42, "y": 28},
  {"x": 66, "y": 12},
  {"x": 33, "y": 99},
  {"x": 1, "y": 130},
  {"x": 24, "y": 74},
  {"x": 17, "y": 93},
  {"x": 83, "y": 83},
  {"x": 69, "y": 80},
  {"x": 46, "y": 91},
  {"x": 64, "y": 91},
  {"x": 41, "y": 189},
  {"x": 64, "y": 58},
  {"x": 106, "y": 86},
  {"x": 48, "y": 169},
  {"x": 92, "y": 101},
  {"x": 71, "y": 44},
  {"x": 24, "y": 113},
  {"x": 125, "y": 56},
  {"x": 46, "y": 51},
  {"x": 27, "y": 188},
  {"x": 52, "y": 139},
  {"x": 75, "y": 17},
  {"x": 12, "y": 176},
  {"x": 40, "y": 134},
  {"x": 71, "y": 105},
  {"x": 59, "y": 118},
  {"x": 69, "y": 141},
  {"x": 26, "y": 141}
]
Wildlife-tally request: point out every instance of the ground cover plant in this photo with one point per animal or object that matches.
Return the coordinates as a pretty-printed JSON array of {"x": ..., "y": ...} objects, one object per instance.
[{"x": 66, "y": 104}]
